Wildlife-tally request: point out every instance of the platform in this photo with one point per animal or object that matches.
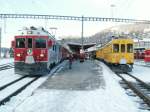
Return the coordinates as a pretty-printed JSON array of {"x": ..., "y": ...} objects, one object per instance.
[{"x": 82, "y": 76}]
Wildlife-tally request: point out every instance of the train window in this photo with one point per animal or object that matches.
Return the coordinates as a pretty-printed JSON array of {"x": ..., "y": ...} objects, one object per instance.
[
  {"x": 20, "y": 43},
  {"x": 116, "y": 48},
  {"x": 53, "y": 47},
  {"x": 122, "y": 48},
  {"x": 40, "y": 43},
  {"x": 29, "y": 42},
  {"x": 129, "y": 48}
]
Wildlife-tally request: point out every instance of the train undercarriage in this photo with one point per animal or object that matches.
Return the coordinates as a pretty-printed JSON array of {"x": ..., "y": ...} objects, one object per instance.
[
  {"x": 120, "y": 68},
  {"x": 36, "y": 69}
]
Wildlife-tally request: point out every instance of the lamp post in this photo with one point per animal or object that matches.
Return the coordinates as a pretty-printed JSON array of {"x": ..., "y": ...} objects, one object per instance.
[
  {"x": 112, "y": 8},
  {"x": 82, "y": 47}
]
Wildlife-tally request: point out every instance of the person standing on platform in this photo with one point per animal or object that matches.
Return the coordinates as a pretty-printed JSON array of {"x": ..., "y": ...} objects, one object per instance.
[{"x": 70, "y": 61}]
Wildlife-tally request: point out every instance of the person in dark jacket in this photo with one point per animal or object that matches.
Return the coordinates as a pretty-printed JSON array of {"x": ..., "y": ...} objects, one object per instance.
[{"x": 70, "y": 61}]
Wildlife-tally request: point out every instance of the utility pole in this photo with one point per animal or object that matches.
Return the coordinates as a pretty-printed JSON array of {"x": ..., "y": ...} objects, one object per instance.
[{"x": 82, "y": 33}]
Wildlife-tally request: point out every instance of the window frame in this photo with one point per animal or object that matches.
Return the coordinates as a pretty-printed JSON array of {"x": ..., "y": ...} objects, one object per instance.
[
  {"x": 130, "y": 48},
  {"x": 24, "y": 43},
  {"x": 114, "y": 48},
  {"x": 28, "y": 43},
  {"x": 40, "y": 47},
  {"x": 122, "y": 50}
]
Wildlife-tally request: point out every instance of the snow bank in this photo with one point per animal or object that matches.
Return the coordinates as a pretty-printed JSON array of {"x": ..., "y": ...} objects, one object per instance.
[
  {"x": 141, "y": 72},
  {"x": 6, "y": 60}
]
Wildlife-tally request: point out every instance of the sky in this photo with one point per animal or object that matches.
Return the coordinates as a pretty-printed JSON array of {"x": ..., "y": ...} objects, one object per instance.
[{"x": 132, "y": 9}]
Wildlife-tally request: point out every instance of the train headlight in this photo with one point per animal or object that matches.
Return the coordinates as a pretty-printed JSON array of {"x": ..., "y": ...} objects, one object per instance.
[
  {"x": 18, "y": 55},
  {"x": 123, "y": 61},
  {"x": 41, "y": 55}
]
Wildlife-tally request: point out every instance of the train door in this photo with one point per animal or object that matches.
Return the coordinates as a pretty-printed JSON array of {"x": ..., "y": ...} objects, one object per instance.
[{"x": 29, "y": 57}]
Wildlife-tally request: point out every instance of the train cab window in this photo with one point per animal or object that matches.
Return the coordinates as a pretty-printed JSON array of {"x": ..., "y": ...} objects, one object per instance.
[
  {"x": 122, "y": 48},
  {"x": 129, "y": 48},
  {"x": 20, "y": 43},
  {"x": 40, "y": 43},
  {"x": 29, "y": 42},
  {"x": 115, "y": 48}
]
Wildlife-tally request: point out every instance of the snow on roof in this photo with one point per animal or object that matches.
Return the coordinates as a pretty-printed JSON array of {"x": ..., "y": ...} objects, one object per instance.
[
  {"x": 91, "y": 49},
  {"x": 75, "y": 43},
  {"x": 142, "y": 40},
  {"x": 67, "y": 47},
  {"x": 35, "y": 31}
]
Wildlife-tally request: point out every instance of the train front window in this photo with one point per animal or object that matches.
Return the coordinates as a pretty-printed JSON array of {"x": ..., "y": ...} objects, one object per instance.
[
  {"x": 40, "y": 43},
  {"x": 20, "y": 43},
  {"x": 116, "y": 48},
  {"x": 29, "y": 42},
  {"x": 122, "y": 48},
  {"x": 129, "y": 48}
]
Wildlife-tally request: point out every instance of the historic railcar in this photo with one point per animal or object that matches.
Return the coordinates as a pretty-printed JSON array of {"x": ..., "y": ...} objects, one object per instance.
[
  {"x": 118, "y": 53},
  {"x": 36, "y": 51}
]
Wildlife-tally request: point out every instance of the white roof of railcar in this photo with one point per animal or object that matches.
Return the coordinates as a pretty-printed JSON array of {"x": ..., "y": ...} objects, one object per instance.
[{"x": 35, "y": 31}]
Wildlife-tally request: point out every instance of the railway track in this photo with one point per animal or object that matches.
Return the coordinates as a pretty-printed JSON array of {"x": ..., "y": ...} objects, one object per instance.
[
  {"x": 16, "y": 91},
  {"x": 6, "y": 66},
  {"x": 19, "y": 87},
  {"x": 139, "y": 87},
  {"x": 10, "y": 83}
]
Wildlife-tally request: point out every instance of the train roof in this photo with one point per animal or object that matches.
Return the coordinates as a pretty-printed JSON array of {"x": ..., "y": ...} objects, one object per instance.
[
  {"x": 99, "y": 46},
  {"x": 35, "y": 31},
  {"x": 67, "y": 47},
  {"x": 93, "y": 48}
]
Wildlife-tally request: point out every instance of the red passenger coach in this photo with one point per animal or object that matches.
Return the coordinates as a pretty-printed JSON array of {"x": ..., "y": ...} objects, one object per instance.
[
  {"x": 147, "y": 55},
  {"x": 36, "y": 51},
  {"x": 139, "y": 53}
]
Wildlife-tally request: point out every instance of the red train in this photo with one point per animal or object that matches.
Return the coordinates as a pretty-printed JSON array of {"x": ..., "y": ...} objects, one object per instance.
[
  {"x": 142, "y": 54},
  {"x": 36, "y": 51},
  {"x": 139, "y": 53},
  {"x": 147, "y": 55}
]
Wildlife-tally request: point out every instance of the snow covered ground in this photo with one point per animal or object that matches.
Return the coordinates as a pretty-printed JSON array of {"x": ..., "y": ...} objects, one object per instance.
[
  {"x": 141, "y": 62},
  {"x": 111, "y": 98},
  {"x": 8, "y": 76},
  {"x": 140, "y": 70},
  {"x": 6, "y": 60},
  {"x": 142, "y": 73}
]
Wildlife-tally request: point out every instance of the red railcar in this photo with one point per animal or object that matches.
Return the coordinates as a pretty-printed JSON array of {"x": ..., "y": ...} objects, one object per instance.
[
  {"x": 147, "y": 55},
  {"x": 36, "y": 51},
  {"x": 139, "y": 53}
]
